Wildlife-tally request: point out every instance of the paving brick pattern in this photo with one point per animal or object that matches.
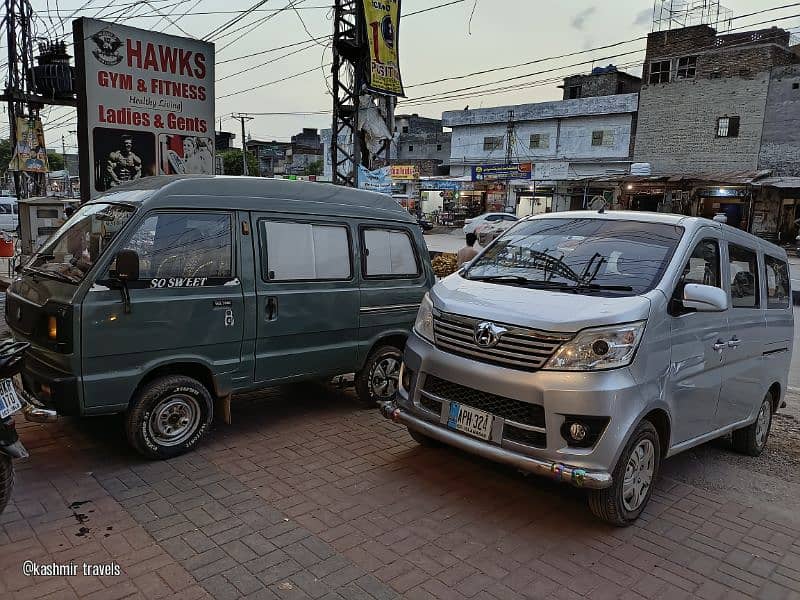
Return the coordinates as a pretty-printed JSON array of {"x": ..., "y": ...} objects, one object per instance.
[{"x": 309, "y": 496}]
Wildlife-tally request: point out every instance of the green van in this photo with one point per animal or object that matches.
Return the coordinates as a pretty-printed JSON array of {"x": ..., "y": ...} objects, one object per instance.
[{"x": 166, "y": 296}]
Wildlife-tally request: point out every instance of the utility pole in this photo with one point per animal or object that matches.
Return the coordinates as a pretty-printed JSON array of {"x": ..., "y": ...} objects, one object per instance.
[
  {"x": 510, "y": 143},
  {"x": 242, "y": 117},
  {"x": 349, "y": 59},
  {"x": 67, "y": 182}
]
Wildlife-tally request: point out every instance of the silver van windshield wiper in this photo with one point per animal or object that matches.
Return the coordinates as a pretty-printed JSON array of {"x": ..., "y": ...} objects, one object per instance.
[{"x": 552, "y": 285}]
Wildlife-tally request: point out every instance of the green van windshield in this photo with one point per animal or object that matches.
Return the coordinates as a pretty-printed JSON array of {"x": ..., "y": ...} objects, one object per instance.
[{"x": 74, "y": 249}]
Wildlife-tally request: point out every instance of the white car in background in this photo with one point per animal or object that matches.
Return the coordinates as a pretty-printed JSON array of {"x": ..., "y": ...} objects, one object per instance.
[
  {"x": 9, "y": 213},
  {"x": 493, "y": 218}
]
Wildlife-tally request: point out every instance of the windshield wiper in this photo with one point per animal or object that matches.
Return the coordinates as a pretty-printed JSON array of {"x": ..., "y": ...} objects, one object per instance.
[
  {"x": 515, "y": 279},
  {"x": 591, "y": 287},
  {"x": 51, "y": 274},
  {"x": 552, "y": 285}
]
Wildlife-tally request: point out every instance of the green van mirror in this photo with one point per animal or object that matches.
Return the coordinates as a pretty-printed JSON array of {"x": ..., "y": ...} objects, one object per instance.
[{"x": 127, "y": 270}]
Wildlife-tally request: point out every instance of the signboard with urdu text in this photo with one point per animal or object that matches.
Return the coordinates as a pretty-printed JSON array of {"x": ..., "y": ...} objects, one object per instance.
[
  {"x": 504, "y": 171},
  {"x": 404, "y": 172}
]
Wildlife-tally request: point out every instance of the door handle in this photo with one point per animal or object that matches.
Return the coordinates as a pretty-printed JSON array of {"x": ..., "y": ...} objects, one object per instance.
[
  {"x": 720, "y": 346},
  {"x": 734, "y": 343},
  {"x": 272, "y": 308}
]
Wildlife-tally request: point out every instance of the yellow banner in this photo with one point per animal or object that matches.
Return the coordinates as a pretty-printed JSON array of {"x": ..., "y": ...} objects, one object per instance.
[
  {"x": 404, "y": 172},
  {"x": 30, "y": 153},
  {"x": 383, "y": 33}
]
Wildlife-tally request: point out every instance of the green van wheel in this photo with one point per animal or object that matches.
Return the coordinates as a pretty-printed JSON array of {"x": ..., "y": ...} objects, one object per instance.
[
  {"x": 169, "y": 416},
  {"x": 379, "y": 379}
]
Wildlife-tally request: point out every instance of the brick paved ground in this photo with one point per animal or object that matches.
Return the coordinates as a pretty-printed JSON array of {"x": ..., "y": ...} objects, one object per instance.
[{"x": 308, "y": 496}]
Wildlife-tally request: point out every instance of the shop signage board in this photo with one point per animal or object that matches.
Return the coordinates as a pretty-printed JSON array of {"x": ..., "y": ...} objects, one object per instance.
[
  {"x": 497, "y": 172},
  {"x": 382, "y": 18},
  {"x": 145, "y": 104},
  {"x": 444, "y": 184},
  {"x": 379, "y": 180},
  {"x": 404, "y": 172}
]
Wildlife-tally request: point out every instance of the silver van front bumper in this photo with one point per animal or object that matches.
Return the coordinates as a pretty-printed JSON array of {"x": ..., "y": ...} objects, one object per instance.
[{"x": 559, "y": 472}]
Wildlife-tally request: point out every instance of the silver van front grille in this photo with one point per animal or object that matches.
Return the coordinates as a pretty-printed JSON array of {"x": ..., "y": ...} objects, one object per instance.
[{"x": 518, "y": 348}]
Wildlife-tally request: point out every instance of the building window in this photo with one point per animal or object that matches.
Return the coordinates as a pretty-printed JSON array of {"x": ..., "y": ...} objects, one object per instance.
[
  {"x": 492, "y": 143},
  {"x": 574, "y": 92},
  {"x": 659, "y": 71},
  {"x": 540, "y": 140},
  {"x": 438, "y": 147},
  {"x": 796, "y": 86},
  {"x": 602, "y": 138},
  {"x": 405, "y": 129},
  {"x": 687, "y": 67},
  {"x": 411, "y": 148},
  {"x": 728, "y": 127}
]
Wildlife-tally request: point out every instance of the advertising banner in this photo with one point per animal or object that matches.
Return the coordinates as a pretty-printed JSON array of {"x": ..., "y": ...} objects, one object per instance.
[
  {"x": 145, "y": 104},
  {"x": 379, "y": 180},
  {"x": 30, "y": 152},
  {"x": 383, "y": 33},
  {"x": 404, "y": 172},
  {"x": 498, "y": 172}
]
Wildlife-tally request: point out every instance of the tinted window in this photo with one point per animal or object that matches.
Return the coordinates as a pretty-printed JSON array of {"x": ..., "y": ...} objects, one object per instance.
[
  {"x": 306, "y": 251},
  {"x": 493, "y": 218},
  {"x": 777, "y": 277},
  {"x": 596, "y": 252},
  {"x": 5, "y": 209},
  {"x": 744, "y": 277},
  {"x": 181, "y": 245},
  {"x": 389, "y": 253},
  {"x": 509, "y": 218}
]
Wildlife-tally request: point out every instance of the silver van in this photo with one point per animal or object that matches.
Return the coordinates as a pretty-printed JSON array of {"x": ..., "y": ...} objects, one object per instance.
[{"x": 589, "y": 347}]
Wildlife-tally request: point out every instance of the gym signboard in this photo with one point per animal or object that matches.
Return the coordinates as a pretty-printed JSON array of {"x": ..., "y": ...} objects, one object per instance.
[{"x": 145, "y": 104}]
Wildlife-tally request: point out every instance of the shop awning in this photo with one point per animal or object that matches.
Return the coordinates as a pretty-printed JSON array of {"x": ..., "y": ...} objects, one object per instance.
[{"x": 784, "y": 183}]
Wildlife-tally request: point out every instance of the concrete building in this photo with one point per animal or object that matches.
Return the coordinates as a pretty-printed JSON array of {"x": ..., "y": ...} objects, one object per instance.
[
  {"x": 223, "y": 140},
  {"x": 271, "y": 156},
  {"x": 780, "y": 138},
  {"x": 308, "y": 138},
  {"x": 602, "y": 81},
  {"x": 567, "y": 141}
]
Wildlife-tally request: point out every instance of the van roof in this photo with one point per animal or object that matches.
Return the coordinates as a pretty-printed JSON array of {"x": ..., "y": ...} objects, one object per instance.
[
  {"x": 690, "y": 224},
  {"x": 259, "y": 193}
]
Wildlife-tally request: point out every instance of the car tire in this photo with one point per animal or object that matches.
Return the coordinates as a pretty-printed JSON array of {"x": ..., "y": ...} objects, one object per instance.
[
  {"x": 622, "y": 503},
  {"x": 169, "y": 416},
  {"x": 752, "y": 440},
  {"x": 378, "y": 380},
  {"x": 423, "y": 440},
  {"x": 6, "y": 480}
]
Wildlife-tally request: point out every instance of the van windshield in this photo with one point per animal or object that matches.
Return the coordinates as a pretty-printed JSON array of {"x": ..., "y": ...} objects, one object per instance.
[
  {"x": 597, "y": 256},
  {"x": 73, "y": 250}
]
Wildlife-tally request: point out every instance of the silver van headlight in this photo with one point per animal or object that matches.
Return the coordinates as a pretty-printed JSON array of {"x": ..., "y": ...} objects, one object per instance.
[
  {"x": 598, "y": 348},
  {"x": 424, "y": 323}
]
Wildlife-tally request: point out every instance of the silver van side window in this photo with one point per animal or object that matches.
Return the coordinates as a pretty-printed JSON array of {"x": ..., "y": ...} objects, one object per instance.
[
  {"x": 389, "y": 253},
  {"x": 777, "y": 277},
  {"x": 703, "y": 267},
  {"x": 744, "y": 277},
  {"x": 184, "y": 245}
]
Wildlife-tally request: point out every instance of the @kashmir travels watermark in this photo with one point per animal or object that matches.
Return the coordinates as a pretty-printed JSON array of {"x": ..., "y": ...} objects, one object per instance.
[{"x": 31, "y": 568}]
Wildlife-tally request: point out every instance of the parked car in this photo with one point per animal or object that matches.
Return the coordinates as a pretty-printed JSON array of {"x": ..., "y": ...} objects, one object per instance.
[
  {"x": 163, "y": 298},
  {"x": 471, "y": 225},
  {"x": 588, "y": 347},
  {"x": 489, "y": 231},
  {"x": 9, "y": 213}
]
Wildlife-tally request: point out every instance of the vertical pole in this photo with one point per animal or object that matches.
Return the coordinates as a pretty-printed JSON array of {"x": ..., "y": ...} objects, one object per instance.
[
  {"x": 509, "y": 155},
  {"x": 244, "y": 149}
]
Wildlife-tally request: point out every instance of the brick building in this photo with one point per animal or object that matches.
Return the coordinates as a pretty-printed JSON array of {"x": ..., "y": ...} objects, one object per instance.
[
  {"x": 703, "y": 102},
  {"x": 602, "y": 81}
]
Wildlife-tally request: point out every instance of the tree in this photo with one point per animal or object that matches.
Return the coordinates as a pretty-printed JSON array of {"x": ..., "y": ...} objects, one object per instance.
[
  {"x": 314, "y": 168},
  {"x": 232, "y": 162},
  {"x": 55, "y": 161}
]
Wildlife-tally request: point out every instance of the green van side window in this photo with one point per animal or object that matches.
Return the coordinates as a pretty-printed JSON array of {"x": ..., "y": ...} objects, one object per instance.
[{"x": 184, "y": 245}]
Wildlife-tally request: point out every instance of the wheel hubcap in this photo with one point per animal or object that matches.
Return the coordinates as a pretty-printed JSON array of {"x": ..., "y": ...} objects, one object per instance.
[
  {"x": 174, "y": 420},
  {"x": 638, "y": 475},
  {"x": 385, "y": 377},
  {"x": 762, "y": 424}
]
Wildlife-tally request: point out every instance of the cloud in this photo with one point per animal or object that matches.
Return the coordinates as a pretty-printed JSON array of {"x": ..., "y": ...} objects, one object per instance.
[
  {"x": 644, "y": 17},
  {"x": 579, "y": 20}
]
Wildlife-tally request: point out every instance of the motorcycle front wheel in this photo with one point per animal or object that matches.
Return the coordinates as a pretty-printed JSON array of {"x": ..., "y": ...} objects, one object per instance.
[{"x": 6, "y": 480}]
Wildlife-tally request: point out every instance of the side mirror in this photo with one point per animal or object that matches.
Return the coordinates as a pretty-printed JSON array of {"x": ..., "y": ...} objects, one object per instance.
[
  {"x": 127, "y": 265},
  {"x": 704, "y": 298},
  {"x": 127, "y": 271}
]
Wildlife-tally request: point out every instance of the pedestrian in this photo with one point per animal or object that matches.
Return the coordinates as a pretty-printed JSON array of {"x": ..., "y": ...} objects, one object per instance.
[{"x": 468, "y": 252}]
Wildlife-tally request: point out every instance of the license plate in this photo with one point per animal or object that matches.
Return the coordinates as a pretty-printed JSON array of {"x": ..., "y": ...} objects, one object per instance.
[
  {"x": 470, "y": 420},
  {"x": 9, "y": 401}
]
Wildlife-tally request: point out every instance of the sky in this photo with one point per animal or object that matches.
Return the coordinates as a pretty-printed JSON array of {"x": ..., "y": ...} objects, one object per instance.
[{"x": 442, "y": 43}]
